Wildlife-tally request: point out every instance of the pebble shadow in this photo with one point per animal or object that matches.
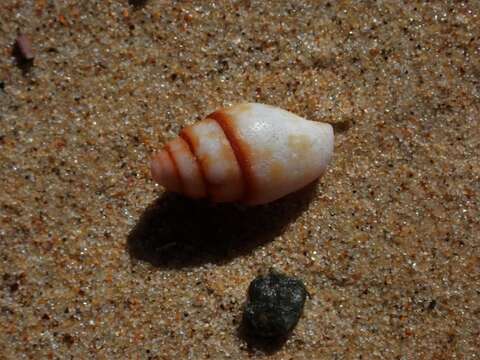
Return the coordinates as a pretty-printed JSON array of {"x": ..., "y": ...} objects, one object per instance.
[{"x": 176, "y": 232}]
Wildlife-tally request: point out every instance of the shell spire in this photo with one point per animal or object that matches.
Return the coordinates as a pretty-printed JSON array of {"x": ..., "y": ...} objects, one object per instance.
[{"x": 250, "y": 153}]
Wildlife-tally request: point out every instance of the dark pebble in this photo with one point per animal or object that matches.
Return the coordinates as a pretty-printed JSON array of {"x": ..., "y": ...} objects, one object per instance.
[
  {"x": 137, "y": 3},
  {"x": 275, "y": 304},
  {"x": 68, "y": 339}
]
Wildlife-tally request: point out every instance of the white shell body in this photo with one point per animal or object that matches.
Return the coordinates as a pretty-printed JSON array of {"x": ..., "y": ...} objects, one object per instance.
[{"x": 250, "y": 153}]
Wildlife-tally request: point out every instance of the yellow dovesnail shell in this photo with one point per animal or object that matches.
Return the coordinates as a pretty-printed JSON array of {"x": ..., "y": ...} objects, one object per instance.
[{"x": 250, "y": 153}]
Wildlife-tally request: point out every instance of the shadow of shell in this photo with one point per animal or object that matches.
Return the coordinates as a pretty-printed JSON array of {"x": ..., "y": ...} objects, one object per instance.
[{"x": 176, "y": 232}]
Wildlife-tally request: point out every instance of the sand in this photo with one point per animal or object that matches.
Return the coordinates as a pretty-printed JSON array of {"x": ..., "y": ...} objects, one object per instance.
[{"x": 96, "y": 261}]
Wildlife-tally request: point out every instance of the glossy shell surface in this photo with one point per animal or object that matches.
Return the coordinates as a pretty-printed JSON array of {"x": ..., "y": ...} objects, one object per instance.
[{"x": 250, "y": 153}]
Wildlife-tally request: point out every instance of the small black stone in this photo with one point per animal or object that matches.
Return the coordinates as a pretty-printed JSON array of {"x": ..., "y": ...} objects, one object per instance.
[
  {"x": 275, "y": 304},
  {"x": 68, "y": 339},
  {"x": 137, "y": 3},
  {"x": 14, "y": 287}
]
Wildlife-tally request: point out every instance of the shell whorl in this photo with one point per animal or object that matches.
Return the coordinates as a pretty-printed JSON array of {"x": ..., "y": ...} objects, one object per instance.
[
  {"x": 251, "y": 153},
  {"x": 239, "y": 149},
  {"x": 214, "y": 162}
]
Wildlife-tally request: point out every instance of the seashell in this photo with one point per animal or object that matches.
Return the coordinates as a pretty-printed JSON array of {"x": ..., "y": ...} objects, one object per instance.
[{"x": 250, "y": 153}]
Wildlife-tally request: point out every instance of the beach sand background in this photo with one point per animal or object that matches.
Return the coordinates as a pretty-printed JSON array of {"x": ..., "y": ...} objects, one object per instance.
[{"x": 97, "y": 262}]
